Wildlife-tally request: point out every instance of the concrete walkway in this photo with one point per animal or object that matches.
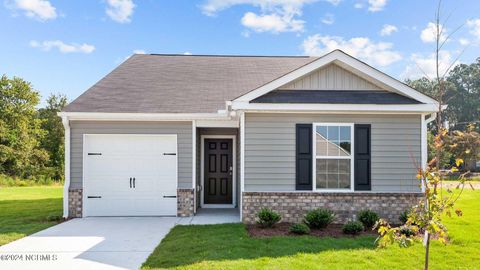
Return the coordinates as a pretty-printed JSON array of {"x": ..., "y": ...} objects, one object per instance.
[{"x": 97, "y": 243}]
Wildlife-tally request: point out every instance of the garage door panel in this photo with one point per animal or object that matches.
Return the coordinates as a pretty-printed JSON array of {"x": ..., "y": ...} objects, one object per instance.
[
  {"x": 104, "y": 206},
  {"x": 106, "y": 165},
  {"x": 143, "y": 206},
  {"x": 123, "y": 156}
]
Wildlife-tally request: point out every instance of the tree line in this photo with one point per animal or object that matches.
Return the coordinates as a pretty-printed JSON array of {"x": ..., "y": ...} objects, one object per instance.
[
  {"x": 31, "y": 138},
  {"x": 462, "y": 115}
]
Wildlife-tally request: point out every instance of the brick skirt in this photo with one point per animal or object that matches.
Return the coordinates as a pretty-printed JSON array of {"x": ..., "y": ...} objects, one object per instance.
[{"x": 292, "y": 206}]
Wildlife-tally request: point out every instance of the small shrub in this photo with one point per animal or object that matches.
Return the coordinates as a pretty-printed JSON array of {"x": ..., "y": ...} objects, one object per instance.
[
  {"x": 404, "y": 217},
  {"x": 267, "y": 217},
  {"x": 368, "y": 218},
  {"x": 55, "y": 218},
  {"x": 353, "y": 227},
  {"x": 300, "y": 228},
  {"x": 407, "y": 231},
  {"x": 319, "y": 218}
]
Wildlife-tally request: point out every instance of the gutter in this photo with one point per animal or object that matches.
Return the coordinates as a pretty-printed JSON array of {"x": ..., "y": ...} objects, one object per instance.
[{"x": 144, "y": 116}]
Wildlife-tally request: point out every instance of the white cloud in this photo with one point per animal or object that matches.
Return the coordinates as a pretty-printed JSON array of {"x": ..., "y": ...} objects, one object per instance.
[
  {"x": 420, "y": 65},
  {"x": 328, "y": 19},
  {"x": 388, "y": 29},
  {"x": 474, "y": 26},
  {"x": 378, "y": 54},
  {"x": 464, "y": 41},
  {"x": 429, "y": 34},
  {"x": 358, "y": 5},
  {"x": 62, "y": 47},
  {"x": 120, "y": 10},
  {"x": 211, "y": 7},
  {"x": 41, "y": 10},
  {"x": 274, "y": 23},
  {"x": 334, "y": 2},
  {"x": 187, "y": 53},
  {"x": 139, "y": 52},
  {"x": 275, "y": 15},
  {"x": 376, "y": 5}
]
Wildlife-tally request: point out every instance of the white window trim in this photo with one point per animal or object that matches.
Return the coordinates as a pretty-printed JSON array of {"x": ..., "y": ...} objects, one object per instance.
[{"x": 314, "y": 159}]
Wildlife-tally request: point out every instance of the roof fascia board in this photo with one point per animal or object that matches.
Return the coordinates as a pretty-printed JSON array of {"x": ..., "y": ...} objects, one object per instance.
[
  {"x": 345, "y": 61},
  {"x": 417, "y": 108},
  {"x": 143, "y": 116}
]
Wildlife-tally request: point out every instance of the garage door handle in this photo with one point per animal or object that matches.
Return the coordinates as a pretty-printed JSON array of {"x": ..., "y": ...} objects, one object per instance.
[
  {"x": 94, "y": 154},
  {"x": 173, "y": 196},
  {"x": 94, "y": 197},
  {"x": 133, "y": 182},
  {"x": 130, "y": 182},
  {"x": 169, "y": 154}
]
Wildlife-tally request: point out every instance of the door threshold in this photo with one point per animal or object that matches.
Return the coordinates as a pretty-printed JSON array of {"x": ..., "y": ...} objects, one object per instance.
[{"x": 218, "y": 206}]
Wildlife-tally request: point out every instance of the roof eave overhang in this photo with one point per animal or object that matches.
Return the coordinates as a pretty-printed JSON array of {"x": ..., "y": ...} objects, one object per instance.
[{"x": 103, "y": 116}]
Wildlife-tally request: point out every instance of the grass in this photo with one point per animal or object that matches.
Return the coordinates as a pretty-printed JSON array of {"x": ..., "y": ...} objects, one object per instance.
[
  {"x": 229, "y": 247},
  {"x": 8, "y": 181},
  {"x": 26, "y": 210}
]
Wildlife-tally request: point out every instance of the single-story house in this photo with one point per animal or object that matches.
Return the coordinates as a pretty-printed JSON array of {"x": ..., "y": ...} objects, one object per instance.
[{"x": 165, "y": 135}]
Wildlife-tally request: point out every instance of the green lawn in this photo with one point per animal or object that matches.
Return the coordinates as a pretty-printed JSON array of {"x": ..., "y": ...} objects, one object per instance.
[
  {"x": 26, "y": 210},
  {"x": 229, "y": 247}
]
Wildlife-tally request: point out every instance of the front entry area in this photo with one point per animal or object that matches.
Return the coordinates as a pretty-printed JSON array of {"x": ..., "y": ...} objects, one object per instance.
[{"x": 218, "y": 171}]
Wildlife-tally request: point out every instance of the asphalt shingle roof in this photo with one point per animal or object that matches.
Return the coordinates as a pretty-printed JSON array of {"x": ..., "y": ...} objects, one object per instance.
[{"x": 149, "y": 83}]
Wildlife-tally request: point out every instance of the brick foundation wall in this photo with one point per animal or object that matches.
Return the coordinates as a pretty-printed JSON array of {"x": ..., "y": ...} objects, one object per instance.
[
  {"x": 75, "y": 203},
  {"x": 292, "y": 206},
  {"x": 185, "y": 201}
]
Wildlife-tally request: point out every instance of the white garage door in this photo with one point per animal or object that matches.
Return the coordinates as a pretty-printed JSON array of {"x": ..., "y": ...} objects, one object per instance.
[{"x": 130, "y": 175}]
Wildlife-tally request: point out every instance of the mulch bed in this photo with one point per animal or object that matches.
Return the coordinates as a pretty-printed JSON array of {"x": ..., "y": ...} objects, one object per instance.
[{"x": 282, "y": 229}]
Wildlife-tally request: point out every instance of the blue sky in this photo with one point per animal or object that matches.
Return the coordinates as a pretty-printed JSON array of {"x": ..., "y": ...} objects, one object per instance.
[{"x": 67, "y": 46}]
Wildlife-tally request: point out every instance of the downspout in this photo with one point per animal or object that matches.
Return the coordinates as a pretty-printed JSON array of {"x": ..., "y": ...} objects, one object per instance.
[{"x": 66, "y": 185}]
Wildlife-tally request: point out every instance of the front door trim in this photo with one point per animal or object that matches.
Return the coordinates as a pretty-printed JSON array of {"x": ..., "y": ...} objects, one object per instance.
[{"x": 234, "y": 173}]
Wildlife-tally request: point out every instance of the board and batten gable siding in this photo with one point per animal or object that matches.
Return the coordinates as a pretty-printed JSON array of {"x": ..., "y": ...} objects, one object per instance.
[
  {"x": 270, "y": 149},
  {"x": 331, "y": 77},
  {"x": 184, "y": 144}
]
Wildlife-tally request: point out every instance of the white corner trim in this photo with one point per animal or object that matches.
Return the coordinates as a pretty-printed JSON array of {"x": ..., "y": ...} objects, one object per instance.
[
  {"x": 424, "y": 141},
  {"x": 337, "y": 108},
  {"x": 234, "y": 171},
  {"x": 143, "y": 116},
  {"x": 346, "y": 61},
  {"x": 242, "y": 162},
  {"x": 66, "y": 185},
  {"x": 194, "y": 165}
]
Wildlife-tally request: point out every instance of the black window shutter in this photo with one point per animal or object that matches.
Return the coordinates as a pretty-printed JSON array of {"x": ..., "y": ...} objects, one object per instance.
[
  {"x": 303, "y": 154},
  {"x": 362, "y": 158}
]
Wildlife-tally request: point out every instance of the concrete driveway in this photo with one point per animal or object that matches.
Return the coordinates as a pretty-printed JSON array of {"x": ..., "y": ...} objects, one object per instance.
[{"x": 88, "y": 243}]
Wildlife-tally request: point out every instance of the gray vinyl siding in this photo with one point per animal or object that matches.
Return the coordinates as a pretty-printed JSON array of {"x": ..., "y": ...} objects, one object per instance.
[
  {"x": 184, "y": 141},
  {"x": 270, "y": 149},
  {"x": 331, "y": 77}
]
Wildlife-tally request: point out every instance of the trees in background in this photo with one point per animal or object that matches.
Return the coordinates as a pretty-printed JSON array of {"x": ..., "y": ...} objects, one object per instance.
[
  {"x": 462, "y": 94},
  {"x": 31, "y": 140},
  {"x": 465, "y": 145},
  {"x": 53, "y": 141},
  {"x": 20, "y": 132}
]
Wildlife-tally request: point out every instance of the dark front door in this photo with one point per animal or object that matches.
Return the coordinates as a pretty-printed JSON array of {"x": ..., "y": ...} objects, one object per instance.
[{"x": 218, "y": 171}]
